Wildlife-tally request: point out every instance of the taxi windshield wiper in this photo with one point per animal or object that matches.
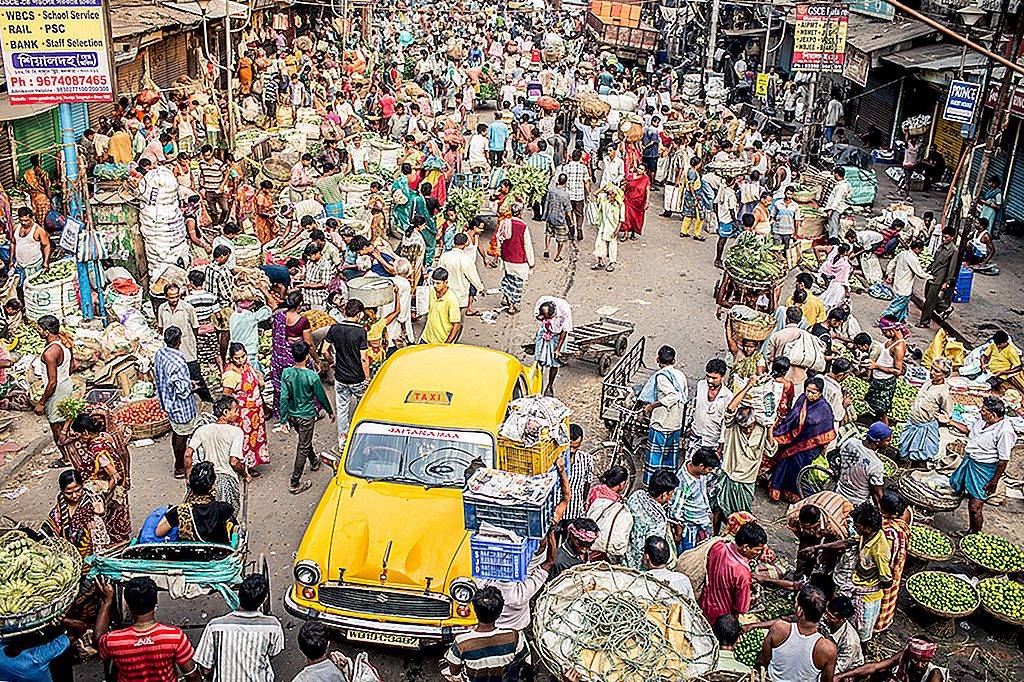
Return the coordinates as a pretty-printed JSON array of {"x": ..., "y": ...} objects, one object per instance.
[{"x": 392, "y": 479}]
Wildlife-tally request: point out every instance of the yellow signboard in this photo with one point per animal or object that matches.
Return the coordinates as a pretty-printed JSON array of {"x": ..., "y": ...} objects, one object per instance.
[{"x": 761, "y": 86}]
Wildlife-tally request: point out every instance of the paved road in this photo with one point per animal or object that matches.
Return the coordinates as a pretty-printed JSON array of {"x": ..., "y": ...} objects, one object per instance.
[{"x": 664, "y": 284}]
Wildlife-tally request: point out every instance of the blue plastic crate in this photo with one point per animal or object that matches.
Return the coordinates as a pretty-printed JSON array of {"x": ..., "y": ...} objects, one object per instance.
[
  {"x": 496, "y": 558},
  {"x": 526, "y": 520}
]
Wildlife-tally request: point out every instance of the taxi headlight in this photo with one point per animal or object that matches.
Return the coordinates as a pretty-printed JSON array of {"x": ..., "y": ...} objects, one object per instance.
[
  {"x": 462, "y": 590},
  {"x": 307, "y": 573}
]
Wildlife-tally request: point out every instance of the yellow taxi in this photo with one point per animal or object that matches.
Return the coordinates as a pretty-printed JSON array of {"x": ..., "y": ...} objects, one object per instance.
[{"x": 385, "y": 558}]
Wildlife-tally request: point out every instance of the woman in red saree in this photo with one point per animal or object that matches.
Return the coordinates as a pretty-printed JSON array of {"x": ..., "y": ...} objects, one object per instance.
[
  {"x": 636, "y": 197},
  {"x": 245, "y": 385},
  {"x": 801, "y": 437}
]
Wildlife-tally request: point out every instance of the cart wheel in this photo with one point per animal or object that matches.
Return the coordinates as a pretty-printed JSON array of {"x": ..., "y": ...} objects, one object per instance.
[
  {"x": 606, "y": 455},
  {"x": 604, "y": 363},
  {"x": 621, "y": 345},
  {"x": 264, "y": 569},
  {"x": 814, "y": 479}
]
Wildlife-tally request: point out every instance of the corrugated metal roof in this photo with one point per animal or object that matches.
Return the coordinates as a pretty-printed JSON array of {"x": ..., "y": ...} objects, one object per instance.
[
  {"x": 941, "y": 57},
  {"x": 135, "y": 17}
]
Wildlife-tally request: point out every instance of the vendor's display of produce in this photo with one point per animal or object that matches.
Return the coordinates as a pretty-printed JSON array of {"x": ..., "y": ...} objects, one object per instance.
[
  {"x": 992, "y": 552},
  {"x": 488, "y": 91},
  {"x": 615, "y": 624},
  {"x": 145, "y": 418},
  {"x": 755, "y": 259},
  {"x": 749, "y": 646},
  {"x": 1003, "y": 598},
  {"x": 38, "y": 580},
  {"x": 528, "y": 184},
  {"x": 52, "y": 291},
  {"x": 943, "y": 594},
  {"x": 772, "y": 604},
  {"x": 928, "y": 543}
]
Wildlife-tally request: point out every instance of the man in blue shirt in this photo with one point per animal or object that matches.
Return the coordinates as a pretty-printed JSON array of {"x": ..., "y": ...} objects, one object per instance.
[
  {"x": 497, "y": 140},
  {"x": 175, "y": 392},
  {"x": 28, "y": 657},
  {"x": 650, "y": 144}
]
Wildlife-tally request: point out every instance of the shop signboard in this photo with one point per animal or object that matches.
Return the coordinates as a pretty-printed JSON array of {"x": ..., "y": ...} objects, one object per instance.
[
  {"x": 761, "y": 86},
  {"x": 56, "y": 51},
  {"x": 874, "y": 8},
  {"x": 857, "y": 66},
  {"x": 961, "y": 101},
  {"x": 819, "y": 39}
]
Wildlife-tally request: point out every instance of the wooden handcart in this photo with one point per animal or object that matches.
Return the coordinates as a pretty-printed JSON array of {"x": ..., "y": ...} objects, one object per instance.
[
  {"x": 596, "y": 342},
  {"x": 622, "y": 384}
]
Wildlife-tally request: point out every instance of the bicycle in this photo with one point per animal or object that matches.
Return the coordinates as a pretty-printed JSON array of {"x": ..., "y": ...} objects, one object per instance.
[{"x": 628, "y": 438}]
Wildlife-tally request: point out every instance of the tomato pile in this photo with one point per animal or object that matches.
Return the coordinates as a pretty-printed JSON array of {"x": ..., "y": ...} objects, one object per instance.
[{"x": 140, "y": 412}]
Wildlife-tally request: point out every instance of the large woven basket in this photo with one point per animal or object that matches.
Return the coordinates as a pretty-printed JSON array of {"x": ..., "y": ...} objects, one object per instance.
[
  {"x": 745, "y": 329},
  {"x": 153, "y": 429},
  {"x": 1002, "y": 617},
  {"x": 938, "y": 612}
]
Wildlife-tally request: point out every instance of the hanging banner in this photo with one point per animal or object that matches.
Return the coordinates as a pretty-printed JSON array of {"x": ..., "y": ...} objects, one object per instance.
[
  {"x": 56, "y": 51},
  {"x": 819, "y": 39},
  {"x": 874, "y": 8},
  {"x": 961, "y": 101},
  {"x": 856, "y": 66}
]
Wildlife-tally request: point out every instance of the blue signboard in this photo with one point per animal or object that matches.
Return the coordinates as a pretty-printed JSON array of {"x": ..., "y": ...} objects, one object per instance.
[
  {"x": 961, "y": 101},
  {"x": 874, "y": 8}
]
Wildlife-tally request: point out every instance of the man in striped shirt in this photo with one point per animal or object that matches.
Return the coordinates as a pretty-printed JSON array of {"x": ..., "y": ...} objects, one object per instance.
[
  {"x": 213, "y": 174},
  {"x": 147, "y": 650},
  {"x": 238, "y": 647},
  {"x": 486, "y": 653}
]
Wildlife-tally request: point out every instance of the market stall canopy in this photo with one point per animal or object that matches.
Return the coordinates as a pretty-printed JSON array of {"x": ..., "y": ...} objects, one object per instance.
[
  {"x": 217, "y": 9},
  {"x": 138, "y": 18}
]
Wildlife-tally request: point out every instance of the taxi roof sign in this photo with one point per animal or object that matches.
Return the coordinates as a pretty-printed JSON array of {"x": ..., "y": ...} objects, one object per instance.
[{"x": 418, "y": 397}]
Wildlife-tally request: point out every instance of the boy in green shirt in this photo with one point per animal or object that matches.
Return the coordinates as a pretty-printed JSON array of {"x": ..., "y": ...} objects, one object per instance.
[{"x": 300, "y": 391}]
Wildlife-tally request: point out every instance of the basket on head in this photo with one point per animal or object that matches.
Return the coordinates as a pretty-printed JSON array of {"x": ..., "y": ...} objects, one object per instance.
[{"x": 755, "y": 331}]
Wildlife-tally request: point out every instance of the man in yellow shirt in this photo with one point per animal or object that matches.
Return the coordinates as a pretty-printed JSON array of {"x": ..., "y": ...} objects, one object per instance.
[
  {"x": 444, "y": 317},
  {"x": 813, "y": 308},
  {"x": 1002, "y": 360}
]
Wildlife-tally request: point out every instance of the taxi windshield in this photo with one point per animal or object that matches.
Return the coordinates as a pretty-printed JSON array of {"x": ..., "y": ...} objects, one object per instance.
[{"x": 416, "y": 456}]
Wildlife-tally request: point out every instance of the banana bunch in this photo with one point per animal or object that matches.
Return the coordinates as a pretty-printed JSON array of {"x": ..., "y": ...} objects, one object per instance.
[{"x": 32, "y": 574}]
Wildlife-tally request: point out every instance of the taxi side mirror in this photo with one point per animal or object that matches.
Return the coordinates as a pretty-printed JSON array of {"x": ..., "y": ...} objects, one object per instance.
[{"x": 330, "y": 459}]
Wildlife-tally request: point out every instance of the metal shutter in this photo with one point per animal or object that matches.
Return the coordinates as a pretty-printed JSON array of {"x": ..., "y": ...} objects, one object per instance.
[
  {"x": 996, "y": 166},
  {"x": 168, "y": 60},
  {"x": 878, "y": 107},
  {"x": 129, "y": 77},
  {"x": 37, "y": 134},
  {"x": 79, "y": 119},
  {"x": 1015, "y": 189},
  {"x": 948, "y": 142}
]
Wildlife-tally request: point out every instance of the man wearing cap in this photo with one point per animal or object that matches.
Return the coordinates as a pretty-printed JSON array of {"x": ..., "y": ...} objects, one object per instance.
[
  {"x": 990, "y": 440},
  {"x": 860, "y": 470},
  {"x": 912, "y": 664}
]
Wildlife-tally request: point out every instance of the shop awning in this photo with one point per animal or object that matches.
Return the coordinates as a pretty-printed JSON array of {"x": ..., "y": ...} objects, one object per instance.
[
  {"x": 12, "y": 112},
  {"x": 941, "y": 57},
  {"x": 132, "y": 17}
]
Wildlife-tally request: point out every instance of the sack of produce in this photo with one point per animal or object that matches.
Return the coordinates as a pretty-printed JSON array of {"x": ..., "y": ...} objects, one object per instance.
[
  {"x": 530, "y": 184},
  {"x": 592, "y": 106},
  {"x": 53, "y": 291},
  {"x": 248, "y": 251}
]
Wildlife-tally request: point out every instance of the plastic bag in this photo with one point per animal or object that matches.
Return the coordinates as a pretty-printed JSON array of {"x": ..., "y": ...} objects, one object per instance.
[{"x": 358, "y": 669}]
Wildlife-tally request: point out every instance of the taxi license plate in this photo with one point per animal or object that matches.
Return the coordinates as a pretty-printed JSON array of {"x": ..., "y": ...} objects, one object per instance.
[{"x": 382, "y": 638}]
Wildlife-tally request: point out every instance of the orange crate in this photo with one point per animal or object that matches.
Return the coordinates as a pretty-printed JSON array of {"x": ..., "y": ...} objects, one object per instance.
[
  {"x": 527, "y": 460},
  {"x": 616, "y": 10}
]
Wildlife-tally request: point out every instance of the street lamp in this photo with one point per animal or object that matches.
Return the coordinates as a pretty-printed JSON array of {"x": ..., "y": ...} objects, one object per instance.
[{"x": 969, "y": 16}]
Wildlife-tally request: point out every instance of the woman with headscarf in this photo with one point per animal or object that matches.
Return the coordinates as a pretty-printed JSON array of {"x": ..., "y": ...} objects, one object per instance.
[
  {"x": 801, "y": 436},
  {"x": 76, "y": 516},
  {"x": 919, "y": 441},
  {"x": 635, "y": 199},
  {"x": 106, "y": 469},
  {"x": 650, "y": 516},
  {"x": 887, "y": 368}
]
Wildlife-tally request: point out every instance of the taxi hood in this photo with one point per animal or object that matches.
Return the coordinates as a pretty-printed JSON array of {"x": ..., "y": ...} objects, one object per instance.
[{"x": 401, "y": 533}]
